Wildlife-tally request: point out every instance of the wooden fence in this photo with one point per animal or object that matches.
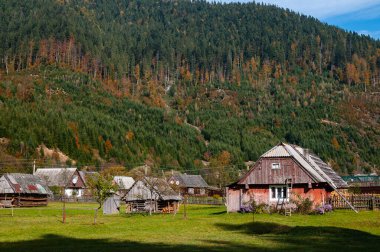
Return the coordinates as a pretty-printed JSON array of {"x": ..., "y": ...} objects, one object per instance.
[
  {"x": 205, "y": 200},
  {"x": 359, "y": 201}
]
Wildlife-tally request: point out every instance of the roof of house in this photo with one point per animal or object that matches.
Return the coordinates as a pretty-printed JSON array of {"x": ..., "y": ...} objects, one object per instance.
[
  {"x": 56, "y": 176},
  {"x": 319, "y": 170},
  {"x": 23, "y": 183},
  {"x": 141, "y": 190},
  {"x": 124, "y": 182},
  {"x": 189, "y": 180},
  {"x": 85, "y": 174}
]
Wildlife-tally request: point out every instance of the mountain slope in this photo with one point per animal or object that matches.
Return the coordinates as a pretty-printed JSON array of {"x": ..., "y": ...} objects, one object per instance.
[{"x": 120, "y": 81}]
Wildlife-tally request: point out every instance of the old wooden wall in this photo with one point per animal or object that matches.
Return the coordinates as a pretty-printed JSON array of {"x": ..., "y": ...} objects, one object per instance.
[{"x": 262, "y": 172}]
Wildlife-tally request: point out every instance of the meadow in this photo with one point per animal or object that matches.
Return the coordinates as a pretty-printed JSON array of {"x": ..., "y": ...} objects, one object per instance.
[{"x": 207, "y": 228}]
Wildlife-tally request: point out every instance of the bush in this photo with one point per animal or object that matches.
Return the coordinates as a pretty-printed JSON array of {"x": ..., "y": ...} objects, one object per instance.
[
  {"x": 253, "y": 207},
  {"x": 304, "y": 205},
  {"x": 324, "y": 209}
]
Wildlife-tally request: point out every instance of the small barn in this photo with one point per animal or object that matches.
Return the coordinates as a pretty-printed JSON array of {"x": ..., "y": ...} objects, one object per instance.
[
  {"x": 69, "y": 179},
  {"x": 363, "y": 183},
  {"x": 193, "y": 185},
  {"x": 112, "y": 205},
  {"x": 285, "y": 170},
  {"x": 124, "y": 183},
  {"x": 152, "y": 195},
  {"x": 23, "y": 190}
]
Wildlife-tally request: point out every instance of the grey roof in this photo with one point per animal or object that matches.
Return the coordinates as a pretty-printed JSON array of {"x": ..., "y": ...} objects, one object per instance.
[
  {"x": 56, "y": 176},
  {"x": 23, "y": 183},
  {"x": 141, "y": 190},
  {"x": 319, "y": 170},
  {"x": 277, "y": 151},
  {"x": 124, "y": 182},
  {"x": 85, "y": 174},
  {"x": 195, "y": 181}
]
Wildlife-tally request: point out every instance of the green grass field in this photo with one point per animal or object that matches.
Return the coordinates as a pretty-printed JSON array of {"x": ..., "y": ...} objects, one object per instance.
[{"x": 207, "y": 228}]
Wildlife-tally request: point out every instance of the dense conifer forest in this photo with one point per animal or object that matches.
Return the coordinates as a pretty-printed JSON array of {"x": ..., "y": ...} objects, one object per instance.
[{"x": 175, "y": 83}]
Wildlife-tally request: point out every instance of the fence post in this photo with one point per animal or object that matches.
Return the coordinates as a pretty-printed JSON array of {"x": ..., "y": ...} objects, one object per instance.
[{"x": 95, "y": 215}]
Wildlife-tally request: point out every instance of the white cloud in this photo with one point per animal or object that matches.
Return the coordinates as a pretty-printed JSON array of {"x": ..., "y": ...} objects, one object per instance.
[
  {"x": 374, "y": 34},
  {"x": 320, "y": 8}
]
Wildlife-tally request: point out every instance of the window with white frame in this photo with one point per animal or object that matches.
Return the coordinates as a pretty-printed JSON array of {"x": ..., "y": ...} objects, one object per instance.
[
  {"x": 276, "y": 166},
  {"x": 190, "y": 190},
  {"x": 278, "y": 193}
]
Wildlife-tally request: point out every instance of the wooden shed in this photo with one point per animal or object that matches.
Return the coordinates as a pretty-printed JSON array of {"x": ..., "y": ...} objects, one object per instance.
[
  {"x": 285, "y": 170},
  {"x": 152, "y": 195},
  {"x": 23, "y": 190},
  {"x": 364, "y": 183},
  {"x": 112, "y": 205},
  {"x": 190, "y": 184}
]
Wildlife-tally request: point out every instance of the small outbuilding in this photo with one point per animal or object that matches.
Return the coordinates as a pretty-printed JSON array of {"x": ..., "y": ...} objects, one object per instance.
[
  {"x": 23, "y": 190},
  {"x": 363, "y": 183},
  {"x": 285, "y": 170},
  {"x": 152, "y": 195},
  {"x": 112, "y": 205},
  {"x": 193, "y": 185}
]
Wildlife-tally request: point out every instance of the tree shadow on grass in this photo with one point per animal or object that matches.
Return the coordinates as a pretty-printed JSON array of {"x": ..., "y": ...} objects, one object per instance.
[
  {"x": 58, "y": 243},
  {"x": 218, "y": 213},
  {"x": 308, "y": 238}
]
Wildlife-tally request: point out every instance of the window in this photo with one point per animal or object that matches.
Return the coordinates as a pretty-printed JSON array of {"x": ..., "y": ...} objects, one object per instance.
[
  {"x": 278, "y": 193},
  {"x": 190, "y": 190},
  {"x": 276, "y": 166}
]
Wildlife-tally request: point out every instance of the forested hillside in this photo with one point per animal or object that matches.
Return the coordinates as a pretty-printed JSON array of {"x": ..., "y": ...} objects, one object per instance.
[{"x": 173, "y": 83}]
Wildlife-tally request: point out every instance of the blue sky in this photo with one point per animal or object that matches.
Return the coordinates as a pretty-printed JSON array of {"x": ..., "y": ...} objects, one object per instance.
[{"x": 361, "y": 16}]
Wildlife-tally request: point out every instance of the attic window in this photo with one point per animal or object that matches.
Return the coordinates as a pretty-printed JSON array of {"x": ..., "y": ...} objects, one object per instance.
[{"x": 276, "y": 166}]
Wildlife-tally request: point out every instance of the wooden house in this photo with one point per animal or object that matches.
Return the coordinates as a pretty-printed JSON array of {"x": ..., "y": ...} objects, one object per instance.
[
  {"x": 193, "y": 185},
  {"x": 152, "y": 195},
  {"x": 285, "y": 170},
  {"x": 68, "y": 179},
  {"x": 23, "y": 190}
]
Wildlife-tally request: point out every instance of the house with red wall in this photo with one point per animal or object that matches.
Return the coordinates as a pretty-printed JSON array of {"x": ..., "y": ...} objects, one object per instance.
[{"x": 284, "y": 172}]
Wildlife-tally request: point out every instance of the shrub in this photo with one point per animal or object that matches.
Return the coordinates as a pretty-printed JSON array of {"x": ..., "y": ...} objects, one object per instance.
[
  {"x": 304, "y": 205},
  {"x": 253, "y": 207},
  {"x": 323, "y": 209}
]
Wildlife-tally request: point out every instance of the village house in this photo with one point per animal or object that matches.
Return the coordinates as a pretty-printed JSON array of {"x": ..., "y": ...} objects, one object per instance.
[
  {"x": 152, "y": 195},
  {"x": 23, "y": 190},
  {"x": 68, "y": 179},
  {"x": 193, "y": 185},
  {"x": 283, "y": 172}
]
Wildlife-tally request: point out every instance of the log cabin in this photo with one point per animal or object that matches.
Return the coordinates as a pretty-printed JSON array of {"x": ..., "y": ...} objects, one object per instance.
[
  {"x": 193, "y": 185},
  {"x": 283, "y": 172},
  {"x": 23, "y": 190},
  {"x": 152, "y": 195}
]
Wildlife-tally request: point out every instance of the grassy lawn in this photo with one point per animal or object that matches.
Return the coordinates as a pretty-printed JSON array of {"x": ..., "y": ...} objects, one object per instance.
[{"x": 207, "y": 228}]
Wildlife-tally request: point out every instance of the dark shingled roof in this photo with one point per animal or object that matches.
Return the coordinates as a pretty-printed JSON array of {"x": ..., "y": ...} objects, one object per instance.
[{"x": 194, "y": 181}]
